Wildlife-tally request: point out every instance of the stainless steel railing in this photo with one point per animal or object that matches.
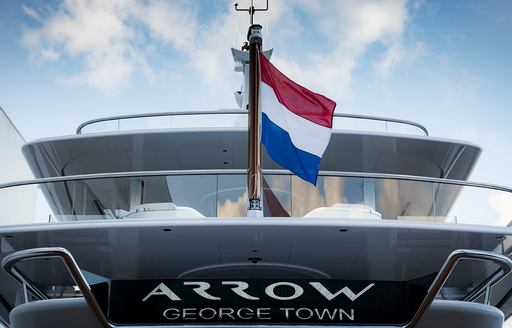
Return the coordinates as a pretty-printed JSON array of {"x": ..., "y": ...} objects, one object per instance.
[
  {"x": 240, "y": 112},
  {"x": 10, "y": 261},
  {"x": 344, "y": 174},
  {"x": 441, "y": 200},
  {"x": 453, "y": 259}
]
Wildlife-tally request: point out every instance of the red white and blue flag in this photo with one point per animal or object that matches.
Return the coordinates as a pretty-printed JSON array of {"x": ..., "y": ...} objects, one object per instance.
[{"x": 296, "y": 123}]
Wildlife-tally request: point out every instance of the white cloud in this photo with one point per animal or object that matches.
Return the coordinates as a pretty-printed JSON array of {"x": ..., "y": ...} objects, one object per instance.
[
  {"x": 94, "y": 31},
  {"x": 31, "y": 13},
  {"x": 105, "y": 36},
  {"x": 397, "y": 54},
  {"x": 49, "y": 54},
  {"x": 174, "y": 23},
  {"x": 372, "y": 21},
  {"x": 353, "y": 26},
  {"x": 114, "y": 39}
]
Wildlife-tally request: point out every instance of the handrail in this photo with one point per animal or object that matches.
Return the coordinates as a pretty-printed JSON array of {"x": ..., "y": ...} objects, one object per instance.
[
  {"x": 345, "y": 174},
  {"x": 222, "y": 112},
  {"x": 383, "y": 119},
  {"x": 9, "y": 262},
  {"x": 462, "y": 254}
]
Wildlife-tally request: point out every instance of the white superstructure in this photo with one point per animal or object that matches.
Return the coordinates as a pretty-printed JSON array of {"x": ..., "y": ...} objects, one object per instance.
[
  {"x": 19, "y": 205},
  {"x": 13, "y": 166}
]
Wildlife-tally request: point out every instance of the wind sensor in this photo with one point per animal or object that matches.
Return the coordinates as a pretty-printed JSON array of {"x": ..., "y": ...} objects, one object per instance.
[{"x": 251, "y": 10}]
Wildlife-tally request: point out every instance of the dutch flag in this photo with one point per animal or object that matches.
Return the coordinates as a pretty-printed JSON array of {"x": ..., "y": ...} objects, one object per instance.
[{"x": 296, "y": 123}]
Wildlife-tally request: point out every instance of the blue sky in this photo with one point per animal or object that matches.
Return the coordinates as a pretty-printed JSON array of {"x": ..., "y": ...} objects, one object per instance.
[{"x": 445, "y": 64}]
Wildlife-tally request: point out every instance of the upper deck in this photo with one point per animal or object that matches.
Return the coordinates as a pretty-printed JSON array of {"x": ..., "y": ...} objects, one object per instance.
[{"x": 218, "y": 140}]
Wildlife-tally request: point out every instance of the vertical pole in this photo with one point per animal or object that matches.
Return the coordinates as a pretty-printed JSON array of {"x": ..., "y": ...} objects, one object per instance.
[
  {"x": 251, "y": 12},
  {"x": 254, "y": 176}
]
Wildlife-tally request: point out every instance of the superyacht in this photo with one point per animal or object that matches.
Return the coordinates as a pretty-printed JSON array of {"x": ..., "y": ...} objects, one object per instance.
[{"x": 149, "y": 220}]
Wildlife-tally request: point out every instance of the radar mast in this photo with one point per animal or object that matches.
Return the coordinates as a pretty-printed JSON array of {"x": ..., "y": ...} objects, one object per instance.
[{"x": 247, "y": 61}]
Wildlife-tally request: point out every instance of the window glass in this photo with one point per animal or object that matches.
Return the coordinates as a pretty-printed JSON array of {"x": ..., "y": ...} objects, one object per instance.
[
  {"x": 232, "y": 195},
  {"x": 328, "y": 192},
  {"x": 403, "y": 199},
  {"x": 277, "y": 196},
  {"x": 196, "y": 191}
]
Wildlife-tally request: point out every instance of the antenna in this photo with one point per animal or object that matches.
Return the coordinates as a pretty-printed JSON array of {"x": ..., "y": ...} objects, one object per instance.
[{"x": 251, "y": 10}]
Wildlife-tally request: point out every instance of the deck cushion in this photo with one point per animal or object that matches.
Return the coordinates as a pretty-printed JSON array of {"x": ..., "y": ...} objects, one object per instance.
[
  {"x": 55, "y": 313},
  {"x": 461, "y": 314}
]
